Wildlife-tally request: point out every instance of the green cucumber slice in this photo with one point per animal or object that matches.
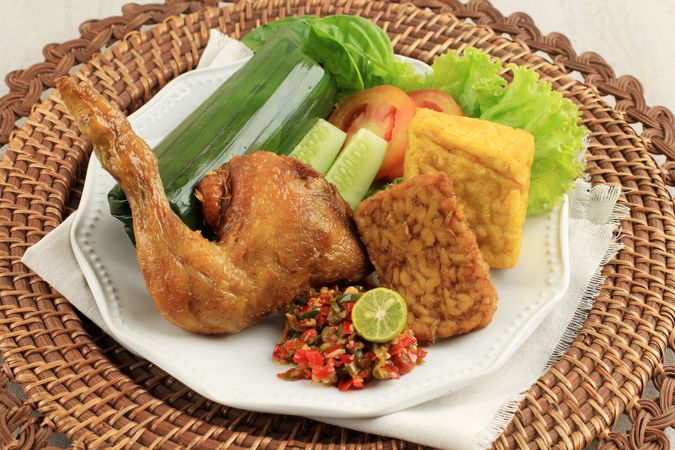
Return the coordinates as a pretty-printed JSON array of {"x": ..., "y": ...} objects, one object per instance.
[
  {"x": 356, "y": 167},
  {"x": 320, "y": 146}
]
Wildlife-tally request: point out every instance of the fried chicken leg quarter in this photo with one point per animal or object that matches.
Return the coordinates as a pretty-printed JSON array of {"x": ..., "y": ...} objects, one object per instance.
[{"x": 282, "y": 227}]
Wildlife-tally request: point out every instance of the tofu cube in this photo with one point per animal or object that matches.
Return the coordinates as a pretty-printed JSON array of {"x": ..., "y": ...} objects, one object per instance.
[{"x": 489, "y": 165}]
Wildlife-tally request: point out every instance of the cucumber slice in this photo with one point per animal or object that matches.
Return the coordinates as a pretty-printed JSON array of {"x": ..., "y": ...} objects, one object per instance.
[
  {"x": 320, "y": 146},
  {"x": 355, "y": 168}
]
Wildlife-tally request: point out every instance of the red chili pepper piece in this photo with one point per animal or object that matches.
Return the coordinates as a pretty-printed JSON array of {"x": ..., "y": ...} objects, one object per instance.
[
  {"x": 322, "y": 373},
  {"x": 309, "y": 334}
]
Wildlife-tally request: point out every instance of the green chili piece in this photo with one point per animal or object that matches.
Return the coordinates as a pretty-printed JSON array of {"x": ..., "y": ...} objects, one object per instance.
[
  {"x": 310, "y": 314},
  {"x": 352, "y": 369}
]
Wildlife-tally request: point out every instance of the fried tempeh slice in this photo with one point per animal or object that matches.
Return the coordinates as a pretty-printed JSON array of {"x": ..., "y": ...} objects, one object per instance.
[{"x": 421, "y": 245}]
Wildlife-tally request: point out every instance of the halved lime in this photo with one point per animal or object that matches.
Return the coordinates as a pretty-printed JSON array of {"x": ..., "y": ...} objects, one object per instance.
[{"x": 379, "y": 315}]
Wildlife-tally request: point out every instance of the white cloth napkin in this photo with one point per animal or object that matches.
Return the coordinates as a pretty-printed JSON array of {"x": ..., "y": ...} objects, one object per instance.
[
  {"x": 467, "y": 419},
  {"x": 222, "y": 50}
]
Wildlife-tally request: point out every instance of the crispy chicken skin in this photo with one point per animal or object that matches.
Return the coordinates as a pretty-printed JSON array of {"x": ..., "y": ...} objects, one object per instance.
[
  {"x": 422, "y": 246},
  {"x": 281, "y": 227},
  {"x": 271, "y": 211}
]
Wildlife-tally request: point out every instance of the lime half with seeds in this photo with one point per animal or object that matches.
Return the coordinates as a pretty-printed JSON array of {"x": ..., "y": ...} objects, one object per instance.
[{"x": 379, "y": 315}]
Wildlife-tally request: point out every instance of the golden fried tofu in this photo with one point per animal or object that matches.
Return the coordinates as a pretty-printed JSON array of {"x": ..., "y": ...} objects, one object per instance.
[
  {"x": 421, "y": 245},
  {"x": 489, "y": 165}
]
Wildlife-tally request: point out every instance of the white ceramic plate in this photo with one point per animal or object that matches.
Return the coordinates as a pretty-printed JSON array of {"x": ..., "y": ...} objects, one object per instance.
[{"x": 238, "y": 370}]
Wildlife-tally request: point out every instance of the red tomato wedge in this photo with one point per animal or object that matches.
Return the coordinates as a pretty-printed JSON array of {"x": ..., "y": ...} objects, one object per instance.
[
  {"x": 437, "y": 100},
  {"x": 385, "y": 110}
]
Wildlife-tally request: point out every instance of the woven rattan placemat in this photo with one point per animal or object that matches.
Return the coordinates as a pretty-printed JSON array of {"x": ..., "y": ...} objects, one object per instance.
[{"x": 80, "y": 382}]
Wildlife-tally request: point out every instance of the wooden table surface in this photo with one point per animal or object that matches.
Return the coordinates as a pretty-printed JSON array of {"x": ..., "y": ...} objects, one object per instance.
[{"x": 634, "y": 37}]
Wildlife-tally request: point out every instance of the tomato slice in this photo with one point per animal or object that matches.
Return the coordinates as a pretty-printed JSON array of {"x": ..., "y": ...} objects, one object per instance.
[
  {"x": 437, "y": 100},
  {"x": 385, "y": 110}
]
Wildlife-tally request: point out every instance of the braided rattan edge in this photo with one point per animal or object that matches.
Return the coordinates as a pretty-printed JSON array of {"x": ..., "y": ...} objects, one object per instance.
[{"x": 475, "y": 6}]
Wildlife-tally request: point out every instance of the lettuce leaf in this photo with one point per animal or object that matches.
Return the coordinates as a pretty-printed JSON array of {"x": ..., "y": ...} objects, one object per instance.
[
  {"x": 404, "y": 77},
  {"x": 528, "y": 103},
  {"x": 470, "y": 79},
  {"x": 354, "y": 50},
  {"x": 532, "y": 105}
]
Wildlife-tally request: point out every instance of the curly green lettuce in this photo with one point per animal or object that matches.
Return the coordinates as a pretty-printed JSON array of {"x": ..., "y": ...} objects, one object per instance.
[{"x": 527, "y": 102}]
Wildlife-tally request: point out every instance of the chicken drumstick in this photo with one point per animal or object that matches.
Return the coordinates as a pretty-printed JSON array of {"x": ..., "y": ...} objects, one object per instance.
[{"x": 281, "y": 227}]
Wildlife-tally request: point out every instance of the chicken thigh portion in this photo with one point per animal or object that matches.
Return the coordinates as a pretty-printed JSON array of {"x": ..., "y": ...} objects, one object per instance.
[
  {"x": 276, "y": 213},
  {"x": 282, "y": 227}
]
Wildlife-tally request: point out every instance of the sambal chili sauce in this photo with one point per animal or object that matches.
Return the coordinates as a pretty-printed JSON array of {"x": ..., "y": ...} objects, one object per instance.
[{"x": 319, "y": 340}]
